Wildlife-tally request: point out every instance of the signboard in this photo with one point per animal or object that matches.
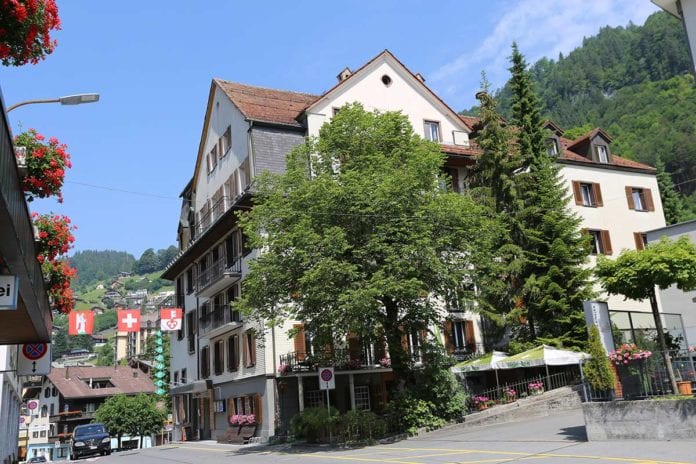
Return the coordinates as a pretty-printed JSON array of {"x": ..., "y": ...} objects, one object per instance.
[
  {"x": 80, "y": 322},
  {"x": 170, "y": 319},
  {"x": 9, "y": 289},
  {"x": 128, "y": 320},
  {"x": 32, "y": 404},
  {"x": 597, "y": 313},
  {"x": 34, "y": 359},
  {"x": 327, "y": 381}
]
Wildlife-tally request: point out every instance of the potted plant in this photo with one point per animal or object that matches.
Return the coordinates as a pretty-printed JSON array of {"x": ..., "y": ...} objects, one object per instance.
[
  {"x": 26, "y": 27},
  {"x": 536, "y": 388},
  {"x": 510, "y": 394},
  {"x": 628, "y": 359},
  {"x": 45, "y": 164},
  {"x": 482, "y": 402}
]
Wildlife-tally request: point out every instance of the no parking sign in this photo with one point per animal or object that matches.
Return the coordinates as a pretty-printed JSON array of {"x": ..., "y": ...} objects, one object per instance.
[
  {"x": 327, "y": 381},
  {"x": 34, "y": 359}
]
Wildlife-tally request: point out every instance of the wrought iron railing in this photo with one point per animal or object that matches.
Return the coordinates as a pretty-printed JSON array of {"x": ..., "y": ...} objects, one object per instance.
[
  {"x": 340, "y": 359},
  {"x": 468, "y": 351},
  {"x": 509, "y": 392},
  {"x": 217, "y": 270},
  {"x": 219, "y": 316}
]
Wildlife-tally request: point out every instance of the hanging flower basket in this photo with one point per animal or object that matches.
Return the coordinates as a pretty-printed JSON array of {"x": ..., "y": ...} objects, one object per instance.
[
  {"x": 59, "y": 275},
  {"x": 46, "y": 164},
  {"x": 54, "y": 235},
  {"x": 25, "y": 30}
]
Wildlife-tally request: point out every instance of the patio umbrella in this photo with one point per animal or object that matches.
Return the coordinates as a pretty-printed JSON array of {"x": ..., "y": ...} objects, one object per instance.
[
  {"x": 543, "y": 355},
  {"x": 487, "y": 362}
]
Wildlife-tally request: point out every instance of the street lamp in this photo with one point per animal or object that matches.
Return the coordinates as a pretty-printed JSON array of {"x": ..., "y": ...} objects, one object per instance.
[{"x": 67, "y": 100}]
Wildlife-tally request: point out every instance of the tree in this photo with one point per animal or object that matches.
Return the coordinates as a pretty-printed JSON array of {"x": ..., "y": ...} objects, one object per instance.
[
  {"x": 105, "y": 355},
  {"x": 115, "y": 413},
  {"x": 636, "y": 273},
  {"x": 166, "y": 255},
  {"x": 360, "y": 235},
  {"x": 553, "y": 280},
  {"x": 672, "y": 203},
  {"x": 598, "y": 368},
  {"x": 131, "y": 415},
  {"x": 148, "y": 262},
  {"x": 150, "y": 418}
]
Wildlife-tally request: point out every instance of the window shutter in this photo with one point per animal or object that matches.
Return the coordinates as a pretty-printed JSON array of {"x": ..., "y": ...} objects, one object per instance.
[
  {"x": 576, "y": 192},
  {"x": 606, "y": 242},
  {"x": 253, "y": 349},
  {"x": 380, "y": 347},
  {"x": 597, "y": 195},
  {"x": 638, "y": 238},
  {"x": 246, "y": 350},
  {"x": 649, "y": 205},
  {"x": 300, "y": 343},
  {"x": 353, "y": 346},
  {"x": 470, "y": 339},
  {"x": 449, "y": 342},
  {"x": 629, "y": 198},
  {"x": 258, "y": 409}
]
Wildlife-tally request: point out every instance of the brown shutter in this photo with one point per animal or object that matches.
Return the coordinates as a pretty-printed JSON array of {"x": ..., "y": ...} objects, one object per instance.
[
  {"x": 576, "y": 192},
  {"x": 380, "y": 347},
  {"x": 638, "y": 238},
  {"x": 449, "y": 342},
  {"x": 629, "y": 198},
  {"x": 245, "y": 349},
  {"x": 300, "y": 345},
  {"x": 253, "y": 350},
  {"x": 606, "y": 242},
  {"x": 649, "y": 205},
  {"x": 353, "y": 346},
  {"x": 470, "y": 339},
  {"x": 597, "y": 195},
  {"x": 258, "y": 410}
]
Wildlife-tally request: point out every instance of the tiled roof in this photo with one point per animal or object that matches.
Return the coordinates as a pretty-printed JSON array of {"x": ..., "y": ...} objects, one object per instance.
[
  {"x": 270, "y": 105},
  {"x": 473, "y": 149},
  {"x": 470, "y": 121},
  {"x": 76, "y": 385},
  {"x": 615, "y": 159}
]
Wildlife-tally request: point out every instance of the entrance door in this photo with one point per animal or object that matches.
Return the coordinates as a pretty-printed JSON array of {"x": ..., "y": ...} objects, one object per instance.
[{"x": 204, "y": 422}]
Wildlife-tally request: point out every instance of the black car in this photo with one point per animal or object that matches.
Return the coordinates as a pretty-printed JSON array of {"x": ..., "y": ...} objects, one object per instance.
[{"x": 90, "y": 439}]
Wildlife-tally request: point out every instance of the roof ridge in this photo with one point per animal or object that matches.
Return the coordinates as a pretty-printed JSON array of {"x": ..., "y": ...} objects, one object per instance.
[{"x": 225, "y": 81}]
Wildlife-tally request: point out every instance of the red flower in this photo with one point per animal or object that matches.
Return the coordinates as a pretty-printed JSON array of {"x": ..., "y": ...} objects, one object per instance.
[
  {"x": 46, "y": 164},
  {"x": 26, "y": 27}
]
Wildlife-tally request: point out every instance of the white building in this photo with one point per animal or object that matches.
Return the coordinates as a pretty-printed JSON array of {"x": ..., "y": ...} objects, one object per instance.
[
  {"x": 218, "y": 367},
  {"x": 10, "y": 399}
]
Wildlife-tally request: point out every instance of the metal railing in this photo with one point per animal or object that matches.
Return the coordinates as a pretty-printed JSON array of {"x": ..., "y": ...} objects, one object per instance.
[
  {"x": 217, "y": 270},
  {"x": 341, "y": 359},
  {"x": 219, "y": 316},
  {"x": 468, "y": 351},
  {"x": 509, "y": 392}
]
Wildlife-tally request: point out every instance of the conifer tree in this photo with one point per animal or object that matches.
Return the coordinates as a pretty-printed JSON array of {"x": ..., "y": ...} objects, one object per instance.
[{"x": 672, "y": 203}]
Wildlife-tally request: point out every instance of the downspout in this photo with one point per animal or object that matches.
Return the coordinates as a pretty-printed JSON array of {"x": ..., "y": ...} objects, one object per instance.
[{"x": 250, "y": 152}]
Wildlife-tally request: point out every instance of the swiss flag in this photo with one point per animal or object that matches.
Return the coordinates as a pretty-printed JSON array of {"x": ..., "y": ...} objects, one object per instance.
[
  {"x": 80, "y": 322},
  {"x": 170, "y": 319},
  {"x": 128, "y": 320}
]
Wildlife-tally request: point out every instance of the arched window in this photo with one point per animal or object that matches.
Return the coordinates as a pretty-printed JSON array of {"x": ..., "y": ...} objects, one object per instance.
[
  {"x": 47, "y": 392},
  {"x": 54, "y": 391}
]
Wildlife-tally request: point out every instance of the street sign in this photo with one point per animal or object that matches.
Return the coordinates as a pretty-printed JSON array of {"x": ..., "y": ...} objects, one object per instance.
[
  {"x": 327, "y": 381},
  {"x": 34, "y": 359},
  {"x": 9, "y": 289},
  {"x": 32, "y": 404}
]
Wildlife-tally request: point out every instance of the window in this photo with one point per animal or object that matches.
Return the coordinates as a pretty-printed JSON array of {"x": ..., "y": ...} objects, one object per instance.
[
  {"x": 180, "y": 333},
  {"x": 233, "y": 353},
  {"x": 54, "y": 391},
  {"x": 214, "y": 157},
  {"x": 183, "y": 376},
  {"x": 52, "y": 409},
  {"x": 189, "y": 281},
  {"x": 641, "y": 240},
  {"x": 453, "y": 174},
  {"x": 362, "y": 397},
  {"x": 600, "y": 242},
  {"x": 205, "y": 362},
  {"x": 602, "y": 154},
  {"x": 176, "y": 378},
  {"x": 233, "y": 295},
  {"x": 639, "y": 199},
  {"x": 225, "y": 142},
  {"x": 47, "y": 392},
  {"x": 335, "y": 110},
  {"x": 587, "y": 194},
  {"x": 219, "y": 357},
  {"x": 249, "y": 349},
  {"x": 552, "y": 147},
  {"x": 432, "y": 130},
  {"x": 42, "y": 434},
  {"x": 44, "y": 411},
  {"x": 314, "y": 398},
  {"x": 190, "y": 331},
  {"x": 35, "y": 434}
]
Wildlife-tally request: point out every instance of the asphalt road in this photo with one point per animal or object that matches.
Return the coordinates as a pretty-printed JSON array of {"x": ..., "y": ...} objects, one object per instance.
[{"x": 549, "y": 440}]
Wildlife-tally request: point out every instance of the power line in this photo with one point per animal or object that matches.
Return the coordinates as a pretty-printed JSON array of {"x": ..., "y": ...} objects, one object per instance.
[{"x": 114, "y": 189}]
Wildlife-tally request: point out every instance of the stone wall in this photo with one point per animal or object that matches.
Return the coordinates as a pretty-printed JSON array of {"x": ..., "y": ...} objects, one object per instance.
[{"x": 641, "y": 420}]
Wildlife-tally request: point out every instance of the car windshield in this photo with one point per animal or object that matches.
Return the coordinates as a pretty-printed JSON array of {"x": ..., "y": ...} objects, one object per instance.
[{"x": 89, "y": 430}]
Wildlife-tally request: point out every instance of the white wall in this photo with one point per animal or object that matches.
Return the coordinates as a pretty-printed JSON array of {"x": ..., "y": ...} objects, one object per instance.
[
  {"x": 9, "y": 403},
  {"x": 689, "y": 14}
]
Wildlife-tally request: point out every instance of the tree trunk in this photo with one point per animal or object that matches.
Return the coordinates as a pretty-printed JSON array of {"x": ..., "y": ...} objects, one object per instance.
[
  {"x": 393, "y": 332},
  {"x": 661, "y": 340}
]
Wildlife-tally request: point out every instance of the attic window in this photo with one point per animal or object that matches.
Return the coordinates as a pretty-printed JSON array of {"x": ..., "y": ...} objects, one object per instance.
[
  {"x": 98, "y": 383},
  {"x": 602, "y": 154},
  {"x": 386, "y": 80},
  {"x": 552, "y": 147}
]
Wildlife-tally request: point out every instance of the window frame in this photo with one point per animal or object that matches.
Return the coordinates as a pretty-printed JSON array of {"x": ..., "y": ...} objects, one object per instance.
[
  {"x": 429, "y": 123},
  {"x": 233, "y": 353},
  {"x": 602, "y": 150}
]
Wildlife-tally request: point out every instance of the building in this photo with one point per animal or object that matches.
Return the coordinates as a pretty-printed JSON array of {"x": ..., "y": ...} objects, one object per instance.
[
  {"x": 132, "y": 344},
  {"x": 218, "y": 367},
  {"x": 34, "y": 424},
  {"x": 71, "y": 395},
  {"x": 685, "y": 11}
]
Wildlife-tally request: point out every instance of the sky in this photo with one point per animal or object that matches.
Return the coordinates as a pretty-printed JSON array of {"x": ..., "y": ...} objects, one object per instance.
[{"x": 152, "y": 63}]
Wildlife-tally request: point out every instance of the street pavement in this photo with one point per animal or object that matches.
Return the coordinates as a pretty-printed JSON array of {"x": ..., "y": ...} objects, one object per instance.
[{"x": 549, "y": 440}]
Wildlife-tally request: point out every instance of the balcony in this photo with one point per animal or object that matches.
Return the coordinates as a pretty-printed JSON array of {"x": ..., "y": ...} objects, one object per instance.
[
  {"x": 221, "y": 317},
  {"x": 76, "y": 415},
  {"x": 470, "y": 350},
  {"x": 341, "y": 359},
  {"x": 218, "y": 276}
]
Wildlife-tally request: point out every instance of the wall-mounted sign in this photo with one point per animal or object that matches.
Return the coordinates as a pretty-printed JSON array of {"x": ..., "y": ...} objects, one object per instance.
[
  {"x": 9, "y": 289},
  {"x": 597, "y": 313}
]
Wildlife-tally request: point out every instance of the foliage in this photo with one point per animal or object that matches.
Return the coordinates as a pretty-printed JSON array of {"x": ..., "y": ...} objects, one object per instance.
[
  {"x": 356, "y": 426},
  {"x": 672, "y": 204},
  {"x": 105, "y": 355},
  {"x": 151, "y": 261},
  {"x": 597, "y": 369},
  {"x": 55, "y": 235},
  {"x": 104, "y": 321},
  {"x": 59, "y": 275},
  {"x": 628, "y": 353},
  {"x": 46, "y": 165},
  {"x": 131, "y": 415},
  {"x": 366, "y": 241},
  {"x": 313, "y": 424},
  {"x": 95, "y": 265},
  {"x": 635, "y": 273},
  {"x": 25, "y": 30},
  {"x": 409, "y": 414}
]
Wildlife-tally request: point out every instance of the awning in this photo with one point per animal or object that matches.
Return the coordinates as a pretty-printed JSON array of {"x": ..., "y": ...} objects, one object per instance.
[
  {"x": 487, "y": 362},
  {"x": 198, "y": 386}
]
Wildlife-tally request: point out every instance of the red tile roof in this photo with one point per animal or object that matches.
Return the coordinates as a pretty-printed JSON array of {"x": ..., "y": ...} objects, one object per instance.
[
  {"x": 270, "y": 105},
  {"x": 76, "y": 385},
  {"x": 616, "y": 160},
  {"x": 473, "y": 149},
  {"x": 470, "y": 121}
]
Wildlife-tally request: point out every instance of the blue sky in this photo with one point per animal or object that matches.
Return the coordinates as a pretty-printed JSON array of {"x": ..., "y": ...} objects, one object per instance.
[{"x": 152, "y": 63}]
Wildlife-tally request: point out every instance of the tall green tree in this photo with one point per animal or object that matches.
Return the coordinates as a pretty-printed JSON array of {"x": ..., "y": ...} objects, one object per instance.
[
  {"x": 148, "y": 262},
  {"x": 360, "y": 235},
  {"x": 554, "y": 279},
  {"x": 672, "y": 203},
  {"x": 134, "y": 416}
]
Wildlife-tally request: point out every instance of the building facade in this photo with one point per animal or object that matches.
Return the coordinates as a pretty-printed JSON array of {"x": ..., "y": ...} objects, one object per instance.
[{"x": 223, "y": 365}]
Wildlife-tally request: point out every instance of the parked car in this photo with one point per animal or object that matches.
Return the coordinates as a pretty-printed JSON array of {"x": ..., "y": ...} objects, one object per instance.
[
  {"x": 90, "y": 439},
  {"x": 37, "y": 459}
]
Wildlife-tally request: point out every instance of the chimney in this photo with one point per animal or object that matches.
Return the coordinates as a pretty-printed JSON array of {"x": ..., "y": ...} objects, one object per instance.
[
  {"x": 343, "y": 75},
  {"x": 420, "y": 77}
]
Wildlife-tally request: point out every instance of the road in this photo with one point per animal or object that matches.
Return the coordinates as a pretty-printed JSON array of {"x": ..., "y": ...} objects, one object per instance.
[{"x": 550, "y": 440}]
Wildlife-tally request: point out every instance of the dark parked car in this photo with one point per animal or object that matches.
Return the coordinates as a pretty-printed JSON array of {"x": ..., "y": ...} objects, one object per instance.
[
  {"x": 90, "y": 439},
  {"x": 37, "y": 459}
]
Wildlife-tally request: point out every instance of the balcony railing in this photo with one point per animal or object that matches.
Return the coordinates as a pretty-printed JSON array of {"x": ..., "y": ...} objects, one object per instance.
[
  {"x": 341, "y": 359},
  {"x": 217, "y": 270},
  {"x": 468, "y": 351},
  {"x": 219, "y": 316}
]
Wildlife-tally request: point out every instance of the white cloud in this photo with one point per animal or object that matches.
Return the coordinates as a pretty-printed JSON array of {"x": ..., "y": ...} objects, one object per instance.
[{"x": 540, "y": 28}]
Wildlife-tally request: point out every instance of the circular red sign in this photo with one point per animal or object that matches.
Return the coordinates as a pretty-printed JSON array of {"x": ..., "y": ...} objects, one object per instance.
[
  {"x": 326, "y": 375},
  {"x": 34, "y": 351}
]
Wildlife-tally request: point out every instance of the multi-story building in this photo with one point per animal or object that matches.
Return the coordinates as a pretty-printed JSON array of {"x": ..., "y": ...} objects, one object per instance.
[
  {"x": 218, "y": 366},
  {"x": 132, "y": 344}
]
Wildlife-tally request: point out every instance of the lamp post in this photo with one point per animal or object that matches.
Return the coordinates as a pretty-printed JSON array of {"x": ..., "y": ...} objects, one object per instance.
[{"x": 67, "y": 100}]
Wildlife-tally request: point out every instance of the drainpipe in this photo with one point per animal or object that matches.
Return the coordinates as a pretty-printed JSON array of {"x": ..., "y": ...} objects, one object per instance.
[{"x": 250, "y": 151}]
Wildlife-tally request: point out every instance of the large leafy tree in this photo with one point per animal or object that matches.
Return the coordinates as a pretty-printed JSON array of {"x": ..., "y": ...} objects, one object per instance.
[
  {"x": 133, "y": 416},
  {"x": 360, "y": 235},
  {"x": 636, "y": 273}
]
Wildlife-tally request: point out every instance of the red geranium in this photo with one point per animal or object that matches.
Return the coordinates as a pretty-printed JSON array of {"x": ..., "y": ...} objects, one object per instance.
[
  {"x": 25, "y": 30},
  {"x": 59, "y": 275},
  {"x": 46, "y": 165},
  {"x": 54, "y": 235}
]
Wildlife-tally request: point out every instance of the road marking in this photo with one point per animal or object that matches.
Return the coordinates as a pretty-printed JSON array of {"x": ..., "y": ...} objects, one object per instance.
[
  {"x": 212, "y": 450},
  {"x": 354, "y": 458}
]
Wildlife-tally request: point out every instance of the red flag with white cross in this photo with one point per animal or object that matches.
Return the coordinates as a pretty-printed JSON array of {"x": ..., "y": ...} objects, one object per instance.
[
  {"x": 170, "y": 319},
  {"x": 128, "y": 320}
]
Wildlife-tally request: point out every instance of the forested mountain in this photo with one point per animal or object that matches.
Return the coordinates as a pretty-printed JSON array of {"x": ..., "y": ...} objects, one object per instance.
[
  {"x": 634, "y": 82},
  {"x": 94, "y": 265}
]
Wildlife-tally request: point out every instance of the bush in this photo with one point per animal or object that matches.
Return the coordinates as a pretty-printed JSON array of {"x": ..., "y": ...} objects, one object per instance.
[
  {"x": 408, "y": 414},
  {"x": 313, "y": 424},
  {"x": 360, "y": 427},
  {"x": 598, "y": 369},
  {"x": 437, "y": 385}
]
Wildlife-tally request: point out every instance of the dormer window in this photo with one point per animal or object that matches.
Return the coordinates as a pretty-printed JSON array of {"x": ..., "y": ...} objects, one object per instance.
[
  {"x": 552, "y": 147},
  {"x": 432, "y": 130},
  {"x": 602, "y": 154}
]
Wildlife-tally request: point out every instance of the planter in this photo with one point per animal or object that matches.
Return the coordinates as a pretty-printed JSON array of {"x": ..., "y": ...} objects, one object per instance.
[
  {"x": 482, "y": 407},
  {"x": 684, "y": 387}
]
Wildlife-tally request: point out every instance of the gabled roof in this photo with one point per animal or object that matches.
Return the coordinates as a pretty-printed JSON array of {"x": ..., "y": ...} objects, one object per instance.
[
  {"x": 73, "y": 382},
  {"x": 589, "y": 135},
  {"x": 267, "y": 105},
  {"x": 569, "y": 155}
]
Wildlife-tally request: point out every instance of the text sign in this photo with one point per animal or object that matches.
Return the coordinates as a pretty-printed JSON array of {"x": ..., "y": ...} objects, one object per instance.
[
  {"x": 327, "y": 381},
  {"x": 597, "y": 313},
  {"x": 9, "y": 289}
]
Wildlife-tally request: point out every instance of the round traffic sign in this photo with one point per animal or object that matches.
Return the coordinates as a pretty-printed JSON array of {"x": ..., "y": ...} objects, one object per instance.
[
  {"x": 326, "y": 375},
  {"x": 34, "y": 351},
  {"x": 33, "y": 404}
]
